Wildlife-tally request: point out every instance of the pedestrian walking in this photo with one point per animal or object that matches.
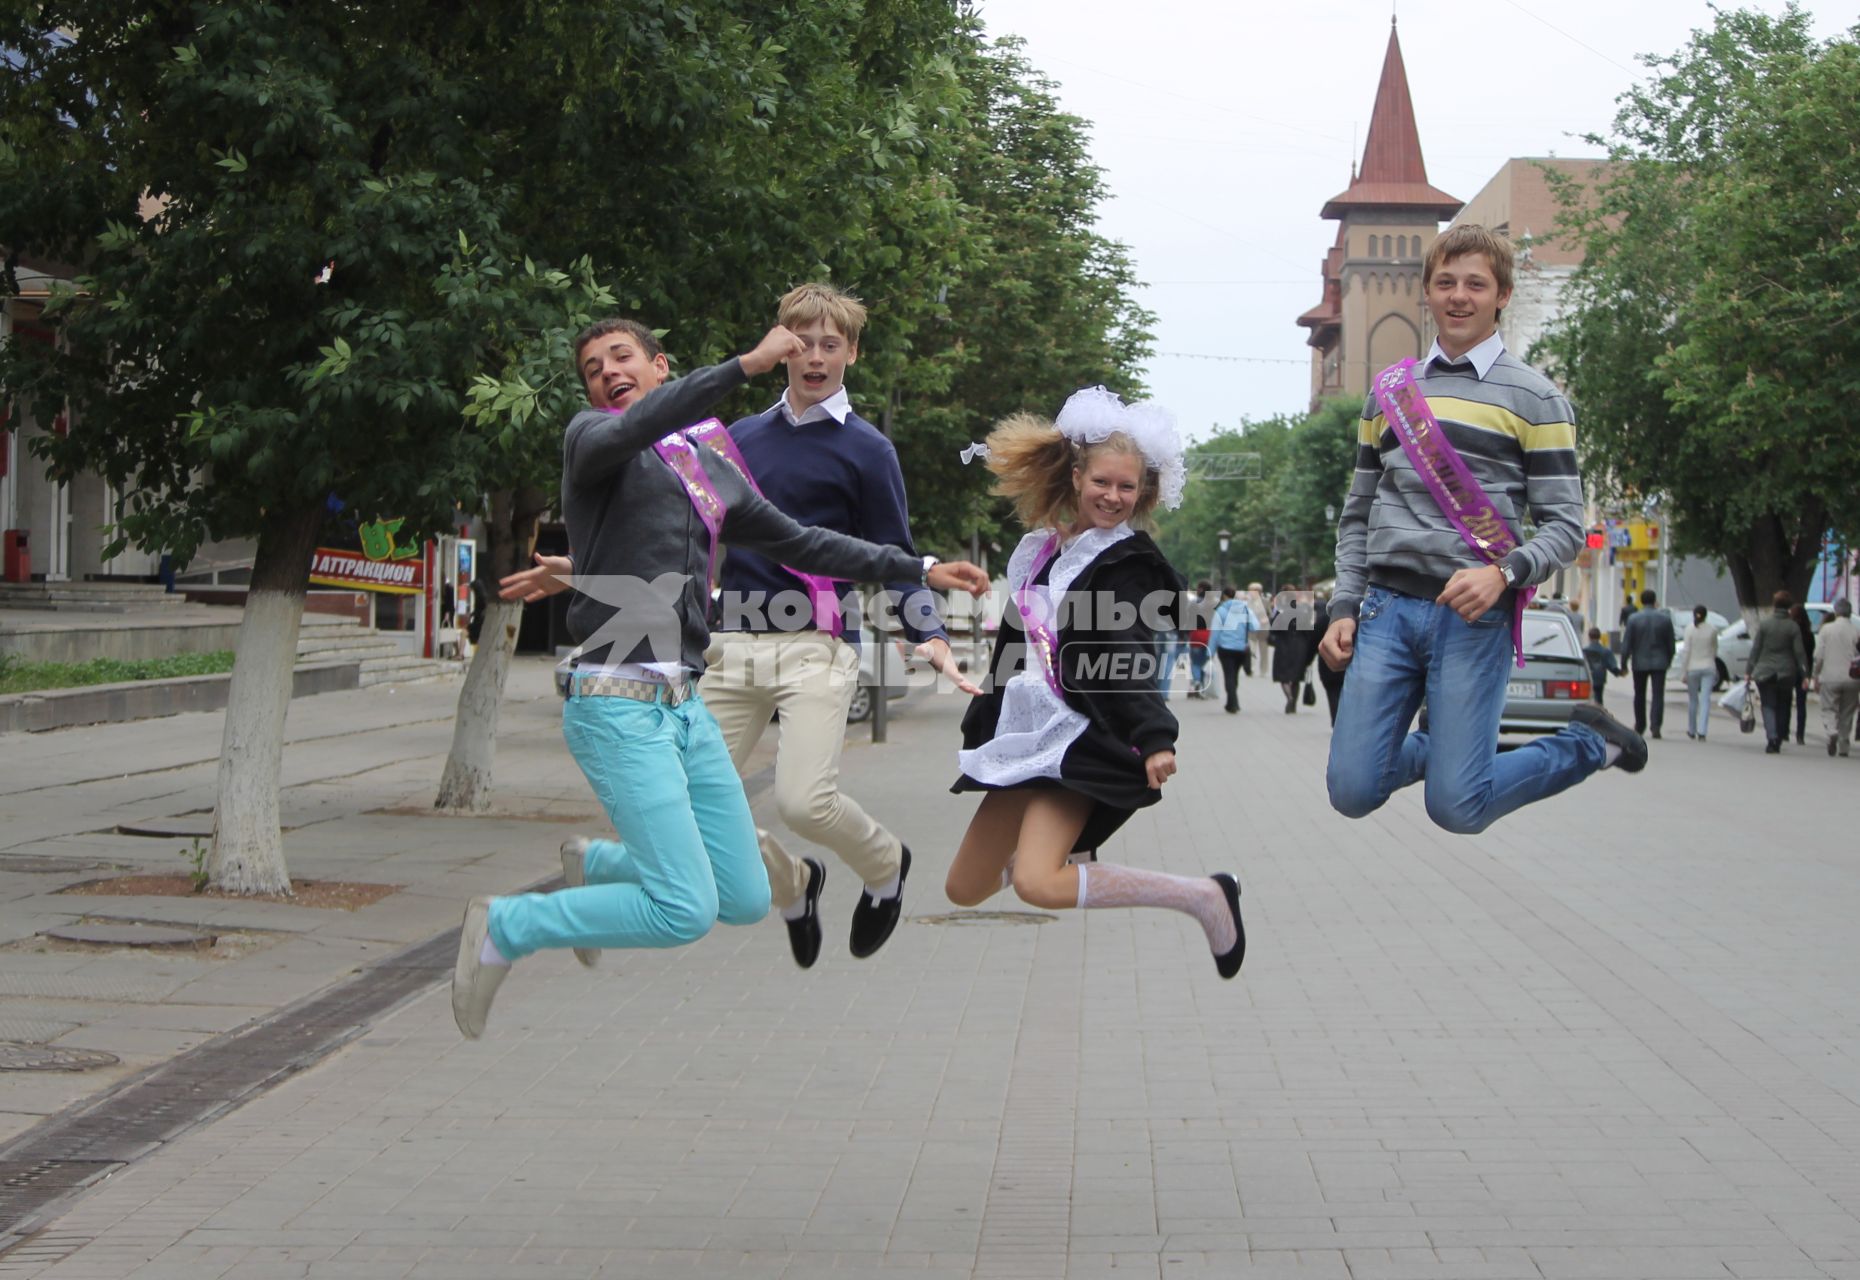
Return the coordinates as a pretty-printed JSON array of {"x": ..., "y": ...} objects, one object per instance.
[
  {"x": 1331, "y": 679},
  {"x": 1292, "y": 645},
  {"x": 1200, "y": 609},
  {"x": 1452, "y": 451},
  {"x": 1778, "y": 664},
  {"x": 632, "y": 479},
  {"x": 1232, "y": 634},
  {"x": 1649, "y": 643},
  {"x": 1799, "y": 616},
  {"x": 1257, "y": 642},
  {"x": 1602, "y": 664},
  {"x": 1837, "y": 650},
  {"x": 1068, "y": 741},
  {"x": 1701, "y": 672}
]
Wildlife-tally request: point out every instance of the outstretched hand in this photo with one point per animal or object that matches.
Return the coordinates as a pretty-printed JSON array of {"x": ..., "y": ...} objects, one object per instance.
[
  {"x": 550, "y": 577},
  {"x": 957, "y": 575},
  {"x": 937, "y": 653}
]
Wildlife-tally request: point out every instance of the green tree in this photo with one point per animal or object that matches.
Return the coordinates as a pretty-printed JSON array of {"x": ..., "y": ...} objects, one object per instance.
[
  {"x": 271, "y": 211},
  {"x": 1710, "y": 345},
  {"x": 1280, "y": 533}
]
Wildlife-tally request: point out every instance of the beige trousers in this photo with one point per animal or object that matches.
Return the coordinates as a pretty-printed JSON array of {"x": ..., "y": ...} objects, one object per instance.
[
  {"x": 808, "y": 677},
  {"x": 1839, "y": 698}
]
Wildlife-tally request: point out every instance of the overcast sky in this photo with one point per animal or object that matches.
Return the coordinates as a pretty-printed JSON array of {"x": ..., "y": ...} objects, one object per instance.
[{"x": 1223, "y": 128}]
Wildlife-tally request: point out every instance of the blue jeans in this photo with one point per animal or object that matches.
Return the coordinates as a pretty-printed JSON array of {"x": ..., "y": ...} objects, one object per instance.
[
  {"x": 1197, "y": 664},
  {"x": 1698, "y": 698},
  {"x": 689, "y": 857},
  {"x": 1172, "y": 650},
  {"x": 1407, "y": 648}
]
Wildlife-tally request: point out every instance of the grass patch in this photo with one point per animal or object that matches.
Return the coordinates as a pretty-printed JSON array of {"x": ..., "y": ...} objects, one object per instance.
[{"x": 17, "y": 676}]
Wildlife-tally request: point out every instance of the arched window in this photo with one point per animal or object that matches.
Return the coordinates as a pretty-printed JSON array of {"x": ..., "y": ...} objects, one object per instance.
[{"x": 1401, "y": 247}]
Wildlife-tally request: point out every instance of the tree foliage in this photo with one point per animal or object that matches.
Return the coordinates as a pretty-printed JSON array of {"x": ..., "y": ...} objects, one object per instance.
[
  {"x": 1280, "y": 533},
  {"x": 1712, "y": 342}
]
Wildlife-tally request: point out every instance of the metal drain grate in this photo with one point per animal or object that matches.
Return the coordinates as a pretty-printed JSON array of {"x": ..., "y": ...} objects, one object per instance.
[
  {"x": 15, "y": 1056},
  {"x": 986, "y": 918}
]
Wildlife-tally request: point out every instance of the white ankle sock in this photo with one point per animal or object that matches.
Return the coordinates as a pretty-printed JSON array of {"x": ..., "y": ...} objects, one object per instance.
[
  {"x": 1611, "y": 752},
  {"x": 489, "y": 954},
  {"x": 796, "y": 909},
  {"x": 1118, "y": 886},
  {"x": 889, "y": 889}
]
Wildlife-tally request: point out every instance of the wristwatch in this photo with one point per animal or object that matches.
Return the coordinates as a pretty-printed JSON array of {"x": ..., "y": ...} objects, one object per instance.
[
  {"x": 1511, "y": 577},
  {"x": 930, "y": 562}
]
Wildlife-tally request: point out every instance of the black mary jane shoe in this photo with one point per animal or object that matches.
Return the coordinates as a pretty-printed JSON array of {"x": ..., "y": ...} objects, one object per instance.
[{"x": 1228, "y": 962}]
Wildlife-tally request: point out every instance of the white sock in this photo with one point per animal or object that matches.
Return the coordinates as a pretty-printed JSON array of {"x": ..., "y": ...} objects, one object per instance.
[
  {"x": 890, "y": 889},
  {"x": 796, "y": 909},
  {"x": 1611, "y": 752},
  {"x": 1201, "y": 897},
  {"x": 489, "y": 954}
]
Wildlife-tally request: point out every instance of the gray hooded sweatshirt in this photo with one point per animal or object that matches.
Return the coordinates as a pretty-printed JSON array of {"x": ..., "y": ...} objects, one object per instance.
[{"x": 641, "y": 551}]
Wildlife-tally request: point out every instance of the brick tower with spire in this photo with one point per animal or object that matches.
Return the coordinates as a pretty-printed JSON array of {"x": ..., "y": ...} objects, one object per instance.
[{"x": 1371, "y": 314}]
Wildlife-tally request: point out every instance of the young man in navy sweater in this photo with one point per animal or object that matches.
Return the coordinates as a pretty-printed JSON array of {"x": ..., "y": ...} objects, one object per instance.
[{"x": 772, "y": 651}]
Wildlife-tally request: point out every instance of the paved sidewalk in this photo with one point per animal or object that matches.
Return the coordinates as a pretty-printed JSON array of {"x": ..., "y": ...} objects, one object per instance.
[{"x": 1614, "y": 1037}]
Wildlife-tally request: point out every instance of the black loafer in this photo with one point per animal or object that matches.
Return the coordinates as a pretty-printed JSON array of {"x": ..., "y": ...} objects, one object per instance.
[
  {"x": 1228, "y": 962},
  {"x": 804, "y": 934},
  {"x": 1633, "y": 756},
  {"x": 873, "y": 921}
]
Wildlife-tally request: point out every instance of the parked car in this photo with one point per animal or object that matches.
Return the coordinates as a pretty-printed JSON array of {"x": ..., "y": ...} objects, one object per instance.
[
  {"x": 1734, "y": 641},
  {"x": 1553, "y": 681},
  {"x": 899, "y": 663}
]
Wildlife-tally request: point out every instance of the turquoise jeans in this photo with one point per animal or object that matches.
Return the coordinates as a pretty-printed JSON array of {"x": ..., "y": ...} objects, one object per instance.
[{"x": 687, "y": 854}]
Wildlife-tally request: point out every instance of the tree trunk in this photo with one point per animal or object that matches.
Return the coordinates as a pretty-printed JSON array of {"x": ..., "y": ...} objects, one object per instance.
[
  {"x": 510, "y": 533},
  {"x": 248, "y": 850},
  {"x": 1779, "y": 556}
]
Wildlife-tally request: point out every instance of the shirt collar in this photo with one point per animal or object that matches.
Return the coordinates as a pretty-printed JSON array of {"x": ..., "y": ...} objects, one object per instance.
[
  {"x": 837, "y": 406},
  {"x": 1483, "y": 356}
]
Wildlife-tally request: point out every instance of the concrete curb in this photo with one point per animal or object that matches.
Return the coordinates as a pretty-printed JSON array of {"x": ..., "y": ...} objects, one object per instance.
[{"x": 150, "y": 699}]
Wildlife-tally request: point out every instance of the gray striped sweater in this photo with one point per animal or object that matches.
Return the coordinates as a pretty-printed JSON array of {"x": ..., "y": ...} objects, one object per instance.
[{"x": 1517, "y": 435}]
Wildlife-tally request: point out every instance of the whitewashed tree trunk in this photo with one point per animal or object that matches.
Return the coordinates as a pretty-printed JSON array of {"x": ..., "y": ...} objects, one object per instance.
[
  {"x": 248, "y": 849},
  {"x": 466, "y": 784},
  {"x": 509, "y": 535}
]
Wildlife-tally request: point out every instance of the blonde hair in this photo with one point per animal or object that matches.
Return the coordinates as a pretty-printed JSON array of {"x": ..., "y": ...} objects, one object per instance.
[
  {"x": 1470, "y": 237},
  {"x": 806, "y": 303},
  {"x": 1033, "y": 465}
]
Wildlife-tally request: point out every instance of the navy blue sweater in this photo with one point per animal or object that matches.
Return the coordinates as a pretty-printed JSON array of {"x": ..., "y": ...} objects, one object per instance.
[{"x": 829, "y": 475}]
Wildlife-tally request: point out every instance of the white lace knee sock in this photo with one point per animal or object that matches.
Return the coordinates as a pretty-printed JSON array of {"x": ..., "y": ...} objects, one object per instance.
[{"x": 1116, "y": 886}]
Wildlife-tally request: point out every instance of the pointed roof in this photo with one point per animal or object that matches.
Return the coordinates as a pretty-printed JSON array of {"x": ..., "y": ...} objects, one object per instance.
[{"x": 1393, "y": 172}]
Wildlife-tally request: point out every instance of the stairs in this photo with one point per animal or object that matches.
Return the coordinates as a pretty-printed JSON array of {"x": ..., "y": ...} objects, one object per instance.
[
  {"x": 345, "y": 641},
  {"x": 89, "y": 597}
]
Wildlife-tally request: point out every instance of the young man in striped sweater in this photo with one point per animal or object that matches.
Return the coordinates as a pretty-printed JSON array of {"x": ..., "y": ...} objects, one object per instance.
[{"x": 1416, "y": 613}]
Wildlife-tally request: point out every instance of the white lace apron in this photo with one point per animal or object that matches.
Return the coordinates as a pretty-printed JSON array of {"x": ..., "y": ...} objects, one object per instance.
[{"x": 1036, "y": 727}]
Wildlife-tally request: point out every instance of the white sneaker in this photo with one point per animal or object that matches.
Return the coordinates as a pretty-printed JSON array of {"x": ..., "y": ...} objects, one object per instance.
[
  {"x": 475, "y": 983},
  {"x": 574, "y": 875}
]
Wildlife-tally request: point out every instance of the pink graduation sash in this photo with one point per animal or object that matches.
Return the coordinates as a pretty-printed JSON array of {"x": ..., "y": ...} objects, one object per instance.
[
  {"x": 681, "y": 456},
  {"x": 821, "y": 593},
  {"x": 1036, "y": 621},
  {"x": 1448, "y": 479}
]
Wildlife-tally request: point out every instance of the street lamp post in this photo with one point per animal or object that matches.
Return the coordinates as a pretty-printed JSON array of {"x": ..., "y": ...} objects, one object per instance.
[{"x": 1226, "y": 538}]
